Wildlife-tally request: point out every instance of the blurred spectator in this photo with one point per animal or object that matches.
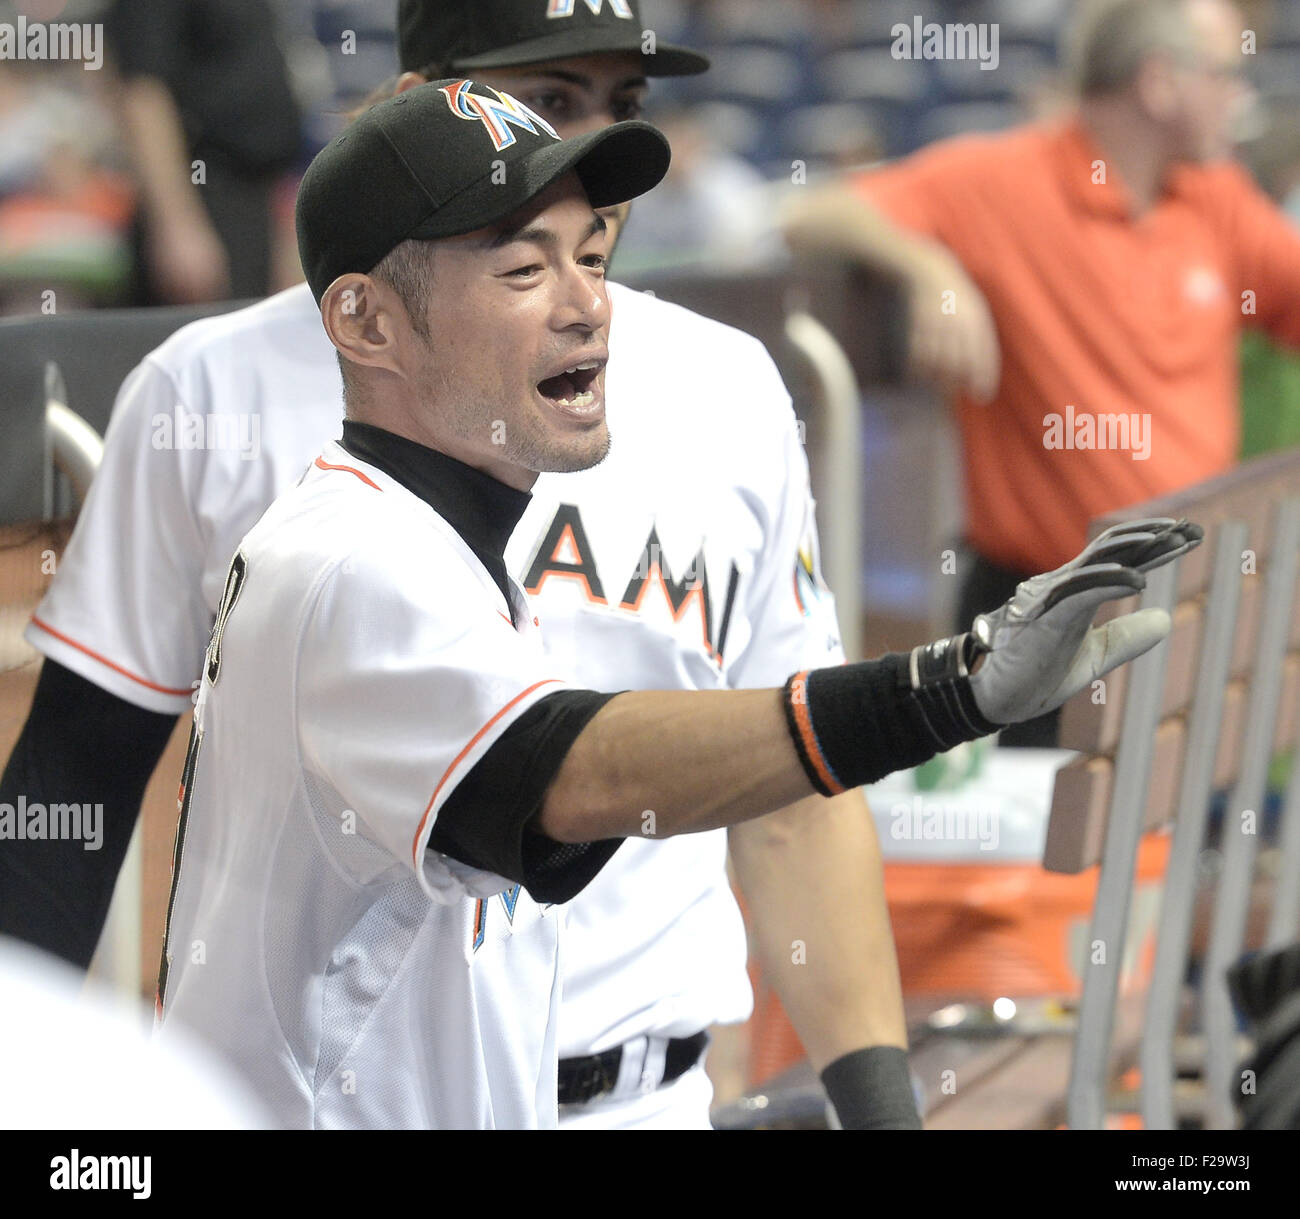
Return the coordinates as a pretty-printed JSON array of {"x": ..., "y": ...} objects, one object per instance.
[
  {"x": 210, "y": 124},
  {"x": 712, "y": 207},
  {"x": 1081, "y": 285},
  {"x": 63, "y": 211}
]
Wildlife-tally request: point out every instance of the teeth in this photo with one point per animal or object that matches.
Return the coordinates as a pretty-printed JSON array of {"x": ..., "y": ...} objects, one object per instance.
[
  {"x": 578, "y": 400},
  {"x": 587, "y": 367}
]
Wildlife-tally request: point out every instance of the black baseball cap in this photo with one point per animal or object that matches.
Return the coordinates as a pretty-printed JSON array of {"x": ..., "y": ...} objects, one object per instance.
[
  {"x": 447, "y": 158},
  {"x": 462, "y": 35}
]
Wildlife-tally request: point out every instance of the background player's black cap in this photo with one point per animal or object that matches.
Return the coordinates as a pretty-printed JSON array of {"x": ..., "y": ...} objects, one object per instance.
[
  {"x": 448, "y": 158},
  {"x": 461, "y": 35}
]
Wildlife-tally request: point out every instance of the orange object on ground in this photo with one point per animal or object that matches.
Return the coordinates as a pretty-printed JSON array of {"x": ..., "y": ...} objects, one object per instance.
[
  {"x": 983, "y": 931},
  {"x": 980, "y": 932},
  {"x": 1101, "y": 315}
]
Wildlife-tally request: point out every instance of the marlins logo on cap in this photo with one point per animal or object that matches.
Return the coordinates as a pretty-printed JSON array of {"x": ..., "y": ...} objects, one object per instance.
[
  {"x": 564, "y": 8},
  {"x": 496, "y": 116},
  {"x": 417, "y": 167}
]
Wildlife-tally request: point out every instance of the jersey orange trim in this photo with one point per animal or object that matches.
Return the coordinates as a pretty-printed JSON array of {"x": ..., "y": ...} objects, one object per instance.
[
  {"x": 322, "y": 464},
  {"x": 81, "y": 647},
  {"x": 474, "y": 740},
  {"x": 695, "y": 594},
  {"x": 809, "y": 738}
]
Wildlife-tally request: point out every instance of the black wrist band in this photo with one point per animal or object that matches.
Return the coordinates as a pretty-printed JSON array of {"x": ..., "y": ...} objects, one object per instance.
[
  {"x": 871, "y": 1089},
  {"x": 939, "y": 683},
  {"x": 857, "y": 723}
]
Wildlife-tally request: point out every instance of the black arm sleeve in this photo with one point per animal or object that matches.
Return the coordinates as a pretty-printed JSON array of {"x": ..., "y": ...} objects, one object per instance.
[
  {"x": 871, "y": 1089},
  {"x": 80, "y": 745},
  {"x": 486, "y": 821}
]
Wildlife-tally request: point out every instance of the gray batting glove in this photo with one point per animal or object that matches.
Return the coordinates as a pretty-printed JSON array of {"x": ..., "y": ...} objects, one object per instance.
[
  {"x": 1141, "y": 544},
  {"x": 1040, "y": 649}
]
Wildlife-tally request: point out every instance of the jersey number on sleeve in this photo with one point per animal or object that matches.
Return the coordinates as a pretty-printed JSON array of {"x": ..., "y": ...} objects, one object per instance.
[{"x": 211, "y": 670}]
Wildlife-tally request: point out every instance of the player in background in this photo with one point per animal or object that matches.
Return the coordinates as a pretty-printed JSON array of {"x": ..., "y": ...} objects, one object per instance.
[{"x": 381, "y": 746}]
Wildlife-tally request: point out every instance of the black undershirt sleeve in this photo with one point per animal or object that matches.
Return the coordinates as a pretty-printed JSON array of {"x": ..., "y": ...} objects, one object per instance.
[
  {"x": 487, "y": 821},
  {"x": 80, "y": 745}
]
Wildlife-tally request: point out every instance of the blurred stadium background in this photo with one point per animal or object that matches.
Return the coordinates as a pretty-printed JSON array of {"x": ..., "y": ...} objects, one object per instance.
[{"x": 811, "y": 81}]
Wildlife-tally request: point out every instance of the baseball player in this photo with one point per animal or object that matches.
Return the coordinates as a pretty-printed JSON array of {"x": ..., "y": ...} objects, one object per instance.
[
  {"x": 711, "y": 470},
  {"x": 387, "y": 782}
]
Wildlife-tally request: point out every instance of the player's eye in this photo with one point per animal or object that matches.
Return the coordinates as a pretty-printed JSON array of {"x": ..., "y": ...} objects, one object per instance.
[
  {"x": 625, "y": 108},
  {"x": 597, "y": 262},
  {"x": 550, "y": 104},
  {"x": 524, "y": 272}
]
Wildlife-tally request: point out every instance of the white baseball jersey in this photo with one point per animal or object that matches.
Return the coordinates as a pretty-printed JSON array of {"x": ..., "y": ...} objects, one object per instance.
[
  {"x": 686, "y": 560},
  {"x": 363, "y": 661}
]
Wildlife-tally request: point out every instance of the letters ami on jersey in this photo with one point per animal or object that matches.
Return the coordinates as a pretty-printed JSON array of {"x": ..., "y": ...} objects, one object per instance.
[{"x": 565, "y": 553}]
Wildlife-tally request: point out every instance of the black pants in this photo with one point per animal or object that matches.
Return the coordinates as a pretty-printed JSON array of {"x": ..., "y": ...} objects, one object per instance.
[
  {"x": 238, "y": 203},
  {"x": 985, "y": 586}
]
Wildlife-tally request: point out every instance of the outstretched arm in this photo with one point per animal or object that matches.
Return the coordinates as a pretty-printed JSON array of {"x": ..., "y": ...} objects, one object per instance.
[{"x": 661, "y": 763}]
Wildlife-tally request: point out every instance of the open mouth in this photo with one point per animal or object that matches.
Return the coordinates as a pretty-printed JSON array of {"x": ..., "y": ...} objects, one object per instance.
[{"x": 573, "y": 388}]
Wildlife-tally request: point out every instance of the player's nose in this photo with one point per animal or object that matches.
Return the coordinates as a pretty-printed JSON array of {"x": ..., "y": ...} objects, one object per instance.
[{"x": 583, "y": 301}]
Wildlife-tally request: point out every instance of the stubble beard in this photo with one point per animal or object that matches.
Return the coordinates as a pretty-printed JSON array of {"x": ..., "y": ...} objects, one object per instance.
[
  {"x": 523, "y": 441},
  {"x": 553, "y": 455}
]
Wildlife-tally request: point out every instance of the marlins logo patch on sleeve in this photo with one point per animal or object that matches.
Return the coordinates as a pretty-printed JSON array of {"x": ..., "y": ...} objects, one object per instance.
[{"x": 809, "y": 587}]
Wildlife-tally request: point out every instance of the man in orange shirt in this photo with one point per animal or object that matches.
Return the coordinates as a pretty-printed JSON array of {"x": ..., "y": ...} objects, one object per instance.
[{"x": 1080, "y": 285}]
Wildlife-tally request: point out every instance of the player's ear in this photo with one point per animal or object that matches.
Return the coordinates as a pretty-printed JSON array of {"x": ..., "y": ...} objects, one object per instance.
[
  {"x": 363, "y": 319},
  {"x": 1157, "y": 88},
  {"x": 409, "y": 80}
]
